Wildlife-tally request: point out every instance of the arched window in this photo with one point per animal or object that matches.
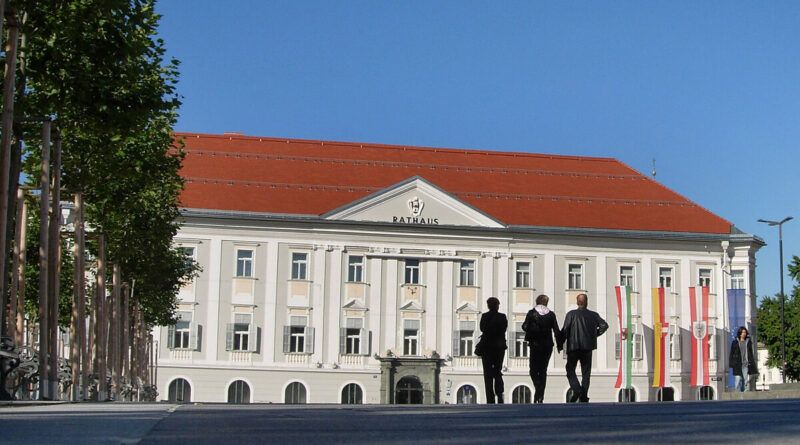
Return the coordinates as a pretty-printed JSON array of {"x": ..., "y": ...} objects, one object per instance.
[
  {"x": 180, "y": 391},
  {"x": 626, "y": 395},
  {"x": 521, "y": 394},
  {"x": 705, "y": 393},
  {"x": 239, "y": 392},
  {"x": 666, "y": 394},
  {"x": 352, "y": 395},
  {"x": 467, "y": 395},
  {"x": 408, "y": 391},
  {"x": 295, "y": 394}
]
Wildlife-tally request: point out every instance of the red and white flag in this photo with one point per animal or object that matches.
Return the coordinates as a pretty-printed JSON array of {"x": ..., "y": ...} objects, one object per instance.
[{"x": 698, "y": 303}]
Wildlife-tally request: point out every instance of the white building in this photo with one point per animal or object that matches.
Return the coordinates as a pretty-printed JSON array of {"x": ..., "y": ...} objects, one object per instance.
[{"x": 356, "y": 273}]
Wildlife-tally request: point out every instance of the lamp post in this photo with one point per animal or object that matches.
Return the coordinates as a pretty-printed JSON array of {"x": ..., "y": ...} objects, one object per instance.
[{"x": 783, "y": 296}]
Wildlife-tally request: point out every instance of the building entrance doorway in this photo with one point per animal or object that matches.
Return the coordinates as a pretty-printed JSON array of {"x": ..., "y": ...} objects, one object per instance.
[{"x": 409, "y": 391}]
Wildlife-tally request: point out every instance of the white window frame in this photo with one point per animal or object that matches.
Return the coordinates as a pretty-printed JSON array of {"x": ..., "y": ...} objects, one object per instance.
[
  {"x": 242, "y": 335},
  {"x": 465, "y": 339},
  {"x": 666, "y": 280},
  {"x": 192, "y": 256},
  {"x": 626, "y": 279},
  {"x": 521, "y": 347},
  {"x": 411, "y": 339},
  {"x": 411, "y": 273},
  {"x": 297, "y": 332},
  {"x": 522, "y": 278},
  {"x": 354, "y": 339},
  {"x": 575, "y": 281},
  {"x": 183, "y": 334},
  {"x": 300, "y": 272},
  {"x": 737, "y": 280},
  {"x": 466, "y": 273},
  {"x": 247, "y": 264},
  {"x": 706, "y": 281},
  {"x": 355, "y": 269}
]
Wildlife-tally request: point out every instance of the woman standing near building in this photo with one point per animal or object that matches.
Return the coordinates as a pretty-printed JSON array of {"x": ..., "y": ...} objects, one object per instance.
[
  {"x": 493, "y": 341},
  {"x": 540, "y": 327},
  {"x": 742, "y": 360}
]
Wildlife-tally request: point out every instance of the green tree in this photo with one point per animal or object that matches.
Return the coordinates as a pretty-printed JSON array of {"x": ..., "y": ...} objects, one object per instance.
[
  {"x": 98, "y": 68},
  {"x": 769, "y": 325}
]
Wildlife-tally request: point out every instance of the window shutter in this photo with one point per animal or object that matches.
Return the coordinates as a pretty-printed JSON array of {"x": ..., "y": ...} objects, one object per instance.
[
  {"x": 712, "y": 343},
  {"x": 637, "y": 346},
  {"x": 363, "y": 344},
  {"x": 171, "y": 337},
  {"x": 287, "y": 335},
  {"x": 369, "y": 348},
  {"x": 616, "y": 346},
  {"x": 456, "y": 343},
  {"x": 309, "y": 339},
  {"x": 675, "y": 346},
  {"x": 252, "y": 340},
  {"x": 512, "y": 345},
  {"x": 229, "y": 337},
  {"x": 193, "y": 337},
  {"x": 342, "y": 340}
]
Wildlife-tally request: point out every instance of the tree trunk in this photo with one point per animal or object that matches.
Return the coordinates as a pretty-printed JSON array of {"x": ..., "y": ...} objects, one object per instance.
[
  {"x": 44, "y": 264},
  {"x": 101, "y": 321},
  {"x": 54, "y": 286},
  {"x": 18, "y": 278}
]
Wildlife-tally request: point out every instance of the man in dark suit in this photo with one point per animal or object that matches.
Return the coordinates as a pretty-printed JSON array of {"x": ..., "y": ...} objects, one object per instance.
[
  {"x": 581, "y": 329},
  {"x": 493, "y": 338}
]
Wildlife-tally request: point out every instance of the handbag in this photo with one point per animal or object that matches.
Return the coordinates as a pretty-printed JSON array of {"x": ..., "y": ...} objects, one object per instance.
[{"x": 479, "y": 347}]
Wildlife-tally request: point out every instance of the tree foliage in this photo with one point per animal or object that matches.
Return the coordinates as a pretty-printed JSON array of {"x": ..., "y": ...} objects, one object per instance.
[
  {"x": 98, "y": 68},
  {"x": 769, "y": 325}
]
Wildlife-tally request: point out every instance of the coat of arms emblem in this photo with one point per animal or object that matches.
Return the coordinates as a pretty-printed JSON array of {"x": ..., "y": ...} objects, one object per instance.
[
  {"x": 699, "y": 329},
  {"x": 415, "y": 205}
]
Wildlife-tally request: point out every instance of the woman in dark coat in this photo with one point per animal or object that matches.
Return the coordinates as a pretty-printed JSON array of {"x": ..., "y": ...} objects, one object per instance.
[
  {"x": 493, "y": 339},
  {"x": 540, "y": 327},
  {"x": 742, "y": 359}
]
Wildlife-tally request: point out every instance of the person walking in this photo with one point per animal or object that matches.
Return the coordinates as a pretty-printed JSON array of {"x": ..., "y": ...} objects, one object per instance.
[
  {"x": 581, "y": 329},
  {"x": 493, "y": 339},
  {"x": 742, "y": 360},
  {"x": 540, "y": 327}
]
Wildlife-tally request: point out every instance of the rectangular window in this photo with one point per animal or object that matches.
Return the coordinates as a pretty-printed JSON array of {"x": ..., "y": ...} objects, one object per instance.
[
  {"x": 355, "y": 269},
  {"x": 188, "y": 254},
  {"x": 412, "y": 272},
  {"x": 297, "y": 334},
  {"x": 299, "y": 266},
  {"x": 665, "y": 277},
  {"x": 244, "y": 263},
  {"x": 180, "y": 337},
  {"x": 575, "y": 276},
  {"x": 353, "y": 333},
  {"x": 467, "y": 275},
  {"x": 241, "y": 332},
  {"x": 410, "y": 337},
  {"x": 466, "y": 338},
  {"x": 626, "y": 276},
  {"x": 737, "y": 279},
  {"x": 704, "y": 278},
  {"x": 523, "y": 275},
  {"x": 521, "y": 347}
]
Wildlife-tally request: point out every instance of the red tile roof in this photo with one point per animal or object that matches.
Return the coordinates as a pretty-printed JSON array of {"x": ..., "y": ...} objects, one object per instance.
[{"x": 291, "y": 176}]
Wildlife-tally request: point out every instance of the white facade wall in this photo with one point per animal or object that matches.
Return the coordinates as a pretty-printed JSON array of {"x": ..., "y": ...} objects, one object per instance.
[{"x": 382, "y": 302}]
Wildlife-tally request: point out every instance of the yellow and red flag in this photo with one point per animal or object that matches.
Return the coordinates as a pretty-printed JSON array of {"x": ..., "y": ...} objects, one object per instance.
[{"x": 660, "y": 333}]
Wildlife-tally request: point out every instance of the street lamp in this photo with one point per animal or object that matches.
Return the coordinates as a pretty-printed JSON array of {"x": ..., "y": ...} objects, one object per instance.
[{"x": 783, "y": 297}]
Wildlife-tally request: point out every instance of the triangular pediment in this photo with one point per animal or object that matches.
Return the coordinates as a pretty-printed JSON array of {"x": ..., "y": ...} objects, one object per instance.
[
  {"x": 412, "y": 306},
  {"x": 414, "y": 202},
  {"x": 467, "y": 308},
  {"x": 355, "y": 305}
]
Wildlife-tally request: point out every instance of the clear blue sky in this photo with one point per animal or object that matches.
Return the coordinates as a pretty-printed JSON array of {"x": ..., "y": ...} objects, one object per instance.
[{"x": 711, "y": 90}]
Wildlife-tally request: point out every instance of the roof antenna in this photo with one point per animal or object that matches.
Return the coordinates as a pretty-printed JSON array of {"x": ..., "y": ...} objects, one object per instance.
[{"x": 654, "y": 169}]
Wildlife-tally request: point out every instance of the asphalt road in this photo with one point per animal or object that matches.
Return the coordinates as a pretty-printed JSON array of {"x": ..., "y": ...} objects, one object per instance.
[{"x": 729, "y": 422}]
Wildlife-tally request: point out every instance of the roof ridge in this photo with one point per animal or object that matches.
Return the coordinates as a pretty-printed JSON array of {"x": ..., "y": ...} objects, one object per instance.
[{"x": 468, "y": 151}]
